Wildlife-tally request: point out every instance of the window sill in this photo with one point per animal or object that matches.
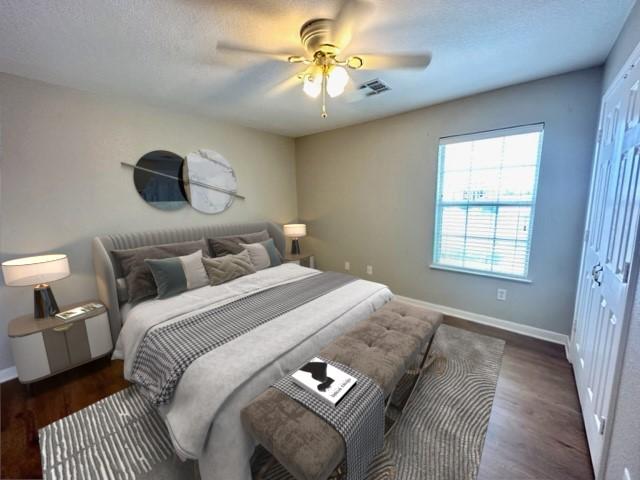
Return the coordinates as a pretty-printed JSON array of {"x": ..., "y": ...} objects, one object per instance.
[{"x": 480, "y": 273}]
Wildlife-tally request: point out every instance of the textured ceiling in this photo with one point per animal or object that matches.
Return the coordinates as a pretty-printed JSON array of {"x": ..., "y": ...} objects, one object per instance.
[{"x": 164, "y": 51}]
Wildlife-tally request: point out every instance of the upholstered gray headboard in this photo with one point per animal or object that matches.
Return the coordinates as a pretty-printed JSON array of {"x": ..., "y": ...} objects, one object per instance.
[{"x": 107, "y": 270}]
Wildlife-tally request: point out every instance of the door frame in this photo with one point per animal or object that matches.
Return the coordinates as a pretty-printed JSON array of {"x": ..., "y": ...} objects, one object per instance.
[{"x": 633, "y": 274}]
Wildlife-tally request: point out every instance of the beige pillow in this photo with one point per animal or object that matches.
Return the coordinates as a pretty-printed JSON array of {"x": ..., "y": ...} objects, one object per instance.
[
  {"x": 228, "y": 267},
  {"x": 263, "y": 254}
]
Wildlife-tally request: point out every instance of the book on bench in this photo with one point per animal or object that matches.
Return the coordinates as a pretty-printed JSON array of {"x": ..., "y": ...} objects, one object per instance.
[{"x": 324, "y": 380}]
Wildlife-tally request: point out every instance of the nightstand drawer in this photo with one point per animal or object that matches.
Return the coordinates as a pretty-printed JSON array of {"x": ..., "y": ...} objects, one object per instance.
[
  {"x": 55, "y": 345},
  {"x": 99, "y": 335},
  {"x": 78, "y": 343},
  {"x": 30, "y": 356},
  {"x": 67, "y": 345}
]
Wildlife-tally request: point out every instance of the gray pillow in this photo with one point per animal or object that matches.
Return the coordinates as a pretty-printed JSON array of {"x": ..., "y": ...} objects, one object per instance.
[
  {"x": 228, "y": 267},
  {"x": 263, "y": 254},
  {"x": 178, "y": 274},
  {"x": 140, "y": 283},
  {"x": 230, "y": 244}
]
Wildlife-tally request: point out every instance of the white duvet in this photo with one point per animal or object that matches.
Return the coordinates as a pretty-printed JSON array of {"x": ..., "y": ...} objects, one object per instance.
[{"x": 203, "y": 417}]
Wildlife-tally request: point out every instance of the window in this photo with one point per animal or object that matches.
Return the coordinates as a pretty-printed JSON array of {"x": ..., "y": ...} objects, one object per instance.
[{"x": 485, "y": 201}]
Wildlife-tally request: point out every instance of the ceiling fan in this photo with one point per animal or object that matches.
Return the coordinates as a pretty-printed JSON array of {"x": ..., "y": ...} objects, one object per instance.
[{"x": 325, "y": 41}]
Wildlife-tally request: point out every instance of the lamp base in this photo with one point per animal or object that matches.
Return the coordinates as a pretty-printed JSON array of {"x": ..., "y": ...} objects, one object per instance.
[
  {"x": 44, "y": 303},
  {"x": 295, "y": 247}
]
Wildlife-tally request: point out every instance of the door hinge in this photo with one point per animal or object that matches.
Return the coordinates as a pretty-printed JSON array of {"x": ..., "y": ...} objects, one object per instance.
[
  {"x": 625, "y": 272},
  {"x": 599, "y": 136},
  {"x": 603, "y": 422},
  {"x": 586, "y": 236}
]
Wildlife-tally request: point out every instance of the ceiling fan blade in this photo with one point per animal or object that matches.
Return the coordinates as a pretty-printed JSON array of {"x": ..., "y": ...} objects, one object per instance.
[
  {"x": 226, "y": 50},
  {"x": 350, "y": 17},
  {"x": 387, "y": 62},
  {"x": 285, "y": 86}
]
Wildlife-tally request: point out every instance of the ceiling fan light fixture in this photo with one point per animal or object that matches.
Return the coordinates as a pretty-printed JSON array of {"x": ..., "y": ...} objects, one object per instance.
[
  {"x": 336, "y": 81},
  {"x": 312, "y": 84},
  {"x": 355, "y": 62},
  {"x": 297, "y": 59}
]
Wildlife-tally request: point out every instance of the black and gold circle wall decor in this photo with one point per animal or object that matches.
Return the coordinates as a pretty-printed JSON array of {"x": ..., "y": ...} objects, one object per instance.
[{"x": 204, "y": 179}]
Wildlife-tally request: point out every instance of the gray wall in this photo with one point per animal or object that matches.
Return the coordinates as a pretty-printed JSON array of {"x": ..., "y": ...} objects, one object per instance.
[
  {"x": 367, "y": 193},
  {"x": 625, "y": 441},
  {"x": 62, "y": 183}
]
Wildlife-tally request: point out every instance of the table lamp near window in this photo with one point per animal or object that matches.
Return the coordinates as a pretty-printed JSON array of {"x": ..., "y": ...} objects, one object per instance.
[
  {"x": 37, "y": 271},
  {"x": 295, "y": 231}
]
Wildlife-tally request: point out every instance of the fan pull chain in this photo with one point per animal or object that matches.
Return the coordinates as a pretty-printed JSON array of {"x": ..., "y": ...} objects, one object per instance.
[{"x": 324, "y": 91}]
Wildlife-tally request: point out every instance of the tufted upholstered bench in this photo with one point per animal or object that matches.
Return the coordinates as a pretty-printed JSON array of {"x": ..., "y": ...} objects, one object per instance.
[{"x": 395, "y": 339}]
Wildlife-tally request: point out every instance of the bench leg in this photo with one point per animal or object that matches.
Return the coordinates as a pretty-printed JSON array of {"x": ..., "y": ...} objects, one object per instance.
[
  {"x": 265, "y": 468},
  {"x": 426, "y": 353},
  {"x": 424, "y": 364}
]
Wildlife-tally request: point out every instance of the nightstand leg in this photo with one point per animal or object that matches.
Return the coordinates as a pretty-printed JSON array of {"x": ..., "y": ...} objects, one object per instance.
[{"x": 27, "y": 387}]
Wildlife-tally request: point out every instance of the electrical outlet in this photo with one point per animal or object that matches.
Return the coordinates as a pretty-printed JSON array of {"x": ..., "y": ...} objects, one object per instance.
[
  {"x": 347, "y": 266},
  {"x": 369, "y": 270},
  {"x": 627, "y": 475},
  {"x": 502, "y": 294}
]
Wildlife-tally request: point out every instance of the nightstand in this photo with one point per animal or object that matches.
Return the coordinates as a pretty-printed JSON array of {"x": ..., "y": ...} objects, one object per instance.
[
  {"x": 43, "y": 347},
  {"x": 304, "y": 259}
]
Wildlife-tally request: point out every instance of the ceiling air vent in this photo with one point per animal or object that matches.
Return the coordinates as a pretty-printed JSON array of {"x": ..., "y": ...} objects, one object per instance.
[{"x": 374, "y": 87}]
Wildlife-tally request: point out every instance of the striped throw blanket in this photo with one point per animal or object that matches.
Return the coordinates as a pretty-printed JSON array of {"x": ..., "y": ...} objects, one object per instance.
[
  {"x": 358, "y": 417},
  {"x": 166, "y": 352}
]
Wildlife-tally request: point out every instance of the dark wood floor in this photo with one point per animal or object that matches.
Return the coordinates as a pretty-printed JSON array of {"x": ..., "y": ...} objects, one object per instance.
[{"x": 535, "y": 430}]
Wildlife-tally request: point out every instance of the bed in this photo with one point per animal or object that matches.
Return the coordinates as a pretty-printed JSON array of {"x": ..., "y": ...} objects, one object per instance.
[{"x": 203, "y": 413}]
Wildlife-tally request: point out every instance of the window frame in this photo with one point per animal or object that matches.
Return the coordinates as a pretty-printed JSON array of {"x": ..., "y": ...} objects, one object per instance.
[{"x": 438, "y": 204}]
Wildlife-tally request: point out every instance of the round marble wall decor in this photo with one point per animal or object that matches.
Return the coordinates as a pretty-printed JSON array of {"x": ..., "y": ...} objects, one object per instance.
[
  {"x": 211, "y": 182},
  {"x": 158, "y": 178}
]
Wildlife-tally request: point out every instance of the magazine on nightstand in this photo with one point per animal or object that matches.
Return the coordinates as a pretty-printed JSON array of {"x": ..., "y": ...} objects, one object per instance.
[{"x": 77, "y": 312}]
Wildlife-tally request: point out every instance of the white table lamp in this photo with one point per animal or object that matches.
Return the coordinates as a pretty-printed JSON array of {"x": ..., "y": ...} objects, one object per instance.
[
  {"x": 295, "y": 231},
  {"x": 37, "y": 271}
]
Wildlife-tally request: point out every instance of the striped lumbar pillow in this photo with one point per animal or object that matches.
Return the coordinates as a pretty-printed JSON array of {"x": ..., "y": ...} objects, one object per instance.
[{"x": 178, "y": 274}]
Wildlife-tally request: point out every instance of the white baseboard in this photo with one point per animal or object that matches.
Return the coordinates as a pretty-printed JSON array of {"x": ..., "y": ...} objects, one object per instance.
[
  {"x": 8, "y": 374},
  {"x": 567, "y": 349},
  {"x": 526, "y": 330}
]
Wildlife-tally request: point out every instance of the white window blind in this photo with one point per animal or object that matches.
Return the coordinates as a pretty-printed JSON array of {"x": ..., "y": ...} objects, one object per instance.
[{"x": 485, "y": 200}]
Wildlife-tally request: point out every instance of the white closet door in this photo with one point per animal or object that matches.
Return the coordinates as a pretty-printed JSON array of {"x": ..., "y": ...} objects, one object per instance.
[{"x": 608, "y": 258}]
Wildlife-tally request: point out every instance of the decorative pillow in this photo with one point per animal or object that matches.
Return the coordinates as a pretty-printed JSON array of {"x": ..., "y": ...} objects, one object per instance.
[
  {"x": 140, "y": 283},
  {"x": 263, "y": 254},
  {"x": 178, "y": 274},
  {"x": 121, "y": 290},
  {"x": 230, "y": 244},
  {"x": 226, "y": 268}
]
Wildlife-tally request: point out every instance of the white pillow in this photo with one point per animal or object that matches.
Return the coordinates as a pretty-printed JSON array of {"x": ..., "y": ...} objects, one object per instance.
[
  {"x": 194, "y": 270},
  {"x": 258, "y": 255}
]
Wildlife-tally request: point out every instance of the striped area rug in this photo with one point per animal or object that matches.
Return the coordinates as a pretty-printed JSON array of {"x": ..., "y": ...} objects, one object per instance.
[
  {"x": 120, "y": 437},
  {"x": 439, "y": 436}
]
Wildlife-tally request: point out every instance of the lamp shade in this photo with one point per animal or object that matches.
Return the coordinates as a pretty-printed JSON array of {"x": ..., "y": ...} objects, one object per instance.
[
  {"x": 26, "y": 271},
  {"x": 295, "y": 230}
]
